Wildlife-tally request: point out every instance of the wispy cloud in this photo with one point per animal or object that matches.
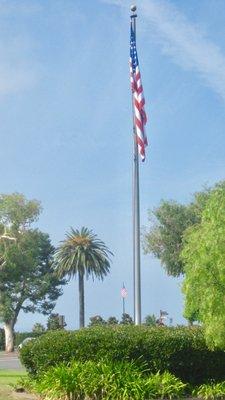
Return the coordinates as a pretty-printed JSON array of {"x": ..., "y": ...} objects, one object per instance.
[
  {"x": 19, "y": 70},
  {"x": 182, "y": 40}
]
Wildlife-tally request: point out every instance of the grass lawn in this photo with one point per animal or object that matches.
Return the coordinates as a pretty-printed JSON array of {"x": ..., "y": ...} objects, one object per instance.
[{"x": 7, "y": 379}]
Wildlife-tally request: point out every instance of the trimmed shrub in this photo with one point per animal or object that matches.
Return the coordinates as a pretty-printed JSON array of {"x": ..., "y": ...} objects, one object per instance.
[{"x": 181, "y": 351}]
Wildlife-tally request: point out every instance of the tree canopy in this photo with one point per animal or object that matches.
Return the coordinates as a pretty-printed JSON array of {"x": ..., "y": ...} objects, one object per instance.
[
  {"x": 203, "y": 256},
  {"x": 189, "y": 240},
  {"x": 169, "y": 221},
  {"x": 28, "y": 281},
  {"x": 164, "y": 238},
  {"x": 150, "y": 320},
  {"x": 82, "y": 253}
]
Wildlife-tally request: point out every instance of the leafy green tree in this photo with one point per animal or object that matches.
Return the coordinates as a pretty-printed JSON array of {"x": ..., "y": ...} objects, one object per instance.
[
  {"x": 169, "y": 222},
  {"x": 96, "y": 320},
  {"x": 126, "y": 319},
  {"x": 82, "y": 254},
  {"x": 38, "y": 328},
  {"x": 55, "y": 322},
  {"x": 203, "y": 256},
  {"x": 150, "y": 320},
  {"x": 28, "y": 282},
  {"x": 164, "y": 239},
  {"x": 112, "y": 321}
]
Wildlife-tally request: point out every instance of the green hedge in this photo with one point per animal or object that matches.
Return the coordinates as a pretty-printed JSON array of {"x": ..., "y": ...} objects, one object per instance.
[{"x": 181, "y": 351}]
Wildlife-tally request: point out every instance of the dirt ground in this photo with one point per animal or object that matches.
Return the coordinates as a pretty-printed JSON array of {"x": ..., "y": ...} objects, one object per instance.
[
  {"x": 23, "y": 396},
  {"x": 7, "y": 393}
]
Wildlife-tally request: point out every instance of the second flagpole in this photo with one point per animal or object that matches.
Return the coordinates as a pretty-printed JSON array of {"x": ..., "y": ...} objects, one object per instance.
[{"x": 136, "y": 209}]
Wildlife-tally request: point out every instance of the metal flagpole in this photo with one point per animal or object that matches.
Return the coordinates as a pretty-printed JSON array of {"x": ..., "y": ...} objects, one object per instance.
[{"x": 136, "y": 211}]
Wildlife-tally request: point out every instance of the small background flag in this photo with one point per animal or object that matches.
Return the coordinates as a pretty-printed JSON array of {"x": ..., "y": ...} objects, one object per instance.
[
  {"x": 140, "y": 118},
  {"x": 123, "y": 292},
  {"x": 163, "y": 314}
]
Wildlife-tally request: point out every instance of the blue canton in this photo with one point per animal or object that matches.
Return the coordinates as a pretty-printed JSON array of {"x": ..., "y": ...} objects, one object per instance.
[{"x": 133, "y": 50}]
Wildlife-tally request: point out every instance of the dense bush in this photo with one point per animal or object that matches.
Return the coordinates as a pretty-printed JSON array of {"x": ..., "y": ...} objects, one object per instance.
[
  {"x": 105, "y": 380},
  {"x": 181, "y": 351}
]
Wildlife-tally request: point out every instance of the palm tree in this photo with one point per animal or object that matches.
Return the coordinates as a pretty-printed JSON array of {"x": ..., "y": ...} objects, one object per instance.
[{"x": 82, "y": 254}]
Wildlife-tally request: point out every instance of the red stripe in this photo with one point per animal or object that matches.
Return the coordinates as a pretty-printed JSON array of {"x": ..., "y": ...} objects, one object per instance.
[
  {"x": 138, "y": 76},
  {"x": 139, "y": 124},
  {"x": 140, "y": 117},
  {"x": 141, "y": 111},
  {"x": 137, "y": 104},
  {"x": 141, "y": 147},
  {"x": 144, "y": 117},
  {"x": 142, "y": 102},
  {"x": 140, "y": 90},
  {"x": 140, "y": 141}
]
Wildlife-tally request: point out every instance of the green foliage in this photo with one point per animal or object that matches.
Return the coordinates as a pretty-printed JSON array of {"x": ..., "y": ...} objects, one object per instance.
[
  {"x": 26, "y": 383},
  {"x": 210, "y": 391},
  {"x": 27, "y": 279},
  {"x": 112, "y": 321},
  {"x": 106, "y": 380},
  {"x": 203, "y": 255},
  {"x": 96, "y": 320},
  {"x": 17, "y": 212},
  {"x": 38, "y": 328},
  {"x": 181, "y": 351},
  {"x": 150, "y": 320},
  {"x": 126, "y": 319},
  {"x": 82, "y": 254},
  {"x": 164, "y": 239},
  {"x": 169, "y": 221},
  {"x": 164, "y": 386},
  {"x": 54, "y": 322},
  {"x": 61, "y": 381},
  {"x": 20, "y": 336}
]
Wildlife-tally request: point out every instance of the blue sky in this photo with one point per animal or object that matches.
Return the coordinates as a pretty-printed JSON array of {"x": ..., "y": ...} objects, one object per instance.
[{"x": 66, "y": 128}]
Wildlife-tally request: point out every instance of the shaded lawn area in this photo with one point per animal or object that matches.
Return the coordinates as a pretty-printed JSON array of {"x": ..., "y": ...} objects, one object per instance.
[{"x": 8, "y": 378}]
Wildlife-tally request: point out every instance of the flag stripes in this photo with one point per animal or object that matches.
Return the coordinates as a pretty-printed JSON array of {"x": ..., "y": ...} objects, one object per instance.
[
  {"x": 140, "y": 118},
  {"x": 123, "y": 292}
]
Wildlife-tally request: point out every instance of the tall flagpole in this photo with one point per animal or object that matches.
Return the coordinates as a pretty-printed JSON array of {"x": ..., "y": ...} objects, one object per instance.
[{"x": 136, "y": 211}]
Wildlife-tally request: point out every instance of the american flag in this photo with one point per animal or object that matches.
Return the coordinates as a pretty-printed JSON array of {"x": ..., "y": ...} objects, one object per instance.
[
  {"x": 123, "y": 292},
  {"x": 140, "y": 118}
]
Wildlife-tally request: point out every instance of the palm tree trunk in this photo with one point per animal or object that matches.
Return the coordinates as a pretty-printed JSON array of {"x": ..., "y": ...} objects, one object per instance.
[{"x": 81, "y": 298}]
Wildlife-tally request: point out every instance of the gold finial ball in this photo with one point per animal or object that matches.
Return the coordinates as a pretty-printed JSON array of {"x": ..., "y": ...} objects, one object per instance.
[{"x": 133, "y": 8}]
